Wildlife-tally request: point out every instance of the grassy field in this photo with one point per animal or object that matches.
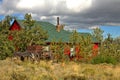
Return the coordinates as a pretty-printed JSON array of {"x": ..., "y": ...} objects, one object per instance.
[{"x": 47, "y": 70}]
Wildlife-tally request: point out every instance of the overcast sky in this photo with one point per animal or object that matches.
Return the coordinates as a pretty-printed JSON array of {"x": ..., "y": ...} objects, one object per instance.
[{"x": 74, "y": 14}]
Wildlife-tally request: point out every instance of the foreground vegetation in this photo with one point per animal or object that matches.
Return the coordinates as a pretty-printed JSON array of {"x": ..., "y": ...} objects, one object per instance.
[
  {"x": 103, "y": 66},
  {"x": 47, "y": 70}
]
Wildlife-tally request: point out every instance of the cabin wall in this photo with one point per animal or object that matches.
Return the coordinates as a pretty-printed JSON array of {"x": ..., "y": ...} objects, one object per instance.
[
  {"x": 14, "y": 26},
  {"x": 10, "y": 37},
  {"x": 95, "y": 49}
]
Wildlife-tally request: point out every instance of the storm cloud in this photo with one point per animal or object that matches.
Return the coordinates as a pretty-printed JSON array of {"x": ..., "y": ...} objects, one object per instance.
[{"x": 75, "y": 15}]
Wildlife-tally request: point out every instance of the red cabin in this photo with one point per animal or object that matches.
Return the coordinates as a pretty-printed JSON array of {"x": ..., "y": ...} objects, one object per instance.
[{"x": 62, "y": 34}]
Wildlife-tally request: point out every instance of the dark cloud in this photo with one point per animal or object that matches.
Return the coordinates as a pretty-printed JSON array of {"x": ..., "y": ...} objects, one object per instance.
[{"x": 101, "y": 12}]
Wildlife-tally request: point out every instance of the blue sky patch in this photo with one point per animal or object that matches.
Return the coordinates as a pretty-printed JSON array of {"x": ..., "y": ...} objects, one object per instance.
[
  {"x": 0, "y": 0},
  {"x": 113, "y": 30},
  {"x": 1, "y": 17},
  {"x": 20, "y": 16}
]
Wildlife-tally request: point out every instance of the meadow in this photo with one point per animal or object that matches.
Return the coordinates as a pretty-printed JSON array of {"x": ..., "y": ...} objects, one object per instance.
[{"x": 48, "y": 70}]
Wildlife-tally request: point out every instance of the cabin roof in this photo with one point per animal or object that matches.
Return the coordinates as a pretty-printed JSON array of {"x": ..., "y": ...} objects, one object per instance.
[
  {"x": 63, "y": 35},
  {"x": 53, "y": 35}
]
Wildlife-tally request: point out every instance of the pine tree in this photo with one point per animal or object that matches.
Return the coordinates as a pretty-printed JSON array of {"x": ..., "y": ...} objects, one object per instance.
[
  {"x": 24, "y": 38},
  {"x": 84, "y": 42},
  {"x": 98, "y": 34},
  {"x": 6, "y": 22},
  {"x": 6, "y": 46},
  {"x": 0, "y": 25},
  {"x": 74, "y": 37},
  {"x": 28, "y": 22}
]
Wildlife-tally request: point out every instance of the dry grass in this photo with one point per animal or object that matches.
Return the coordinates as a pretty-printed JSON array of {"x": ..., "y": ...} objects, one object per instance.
[{"x": 46, "y": 70}]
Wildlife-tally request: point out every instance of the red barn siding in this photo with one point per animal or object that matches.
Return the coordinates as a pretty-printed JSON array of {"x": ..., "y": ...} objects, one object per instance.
[
  {"x": 67, "y": 50},
  {"x": 95, "y": 49},
  {"x": 15, "y": 26},
  {"x": 10, "y": 37},
  {"x": 77, "y": 51},
  {"x": 95, "y": 46}
]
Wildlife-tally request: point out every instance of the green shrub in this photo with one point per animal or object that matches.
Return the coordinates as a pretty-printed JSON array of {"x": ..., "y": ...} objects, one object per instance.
[
  {"x": 104, "y": 59},
  {"x": 6, "y": 46}
]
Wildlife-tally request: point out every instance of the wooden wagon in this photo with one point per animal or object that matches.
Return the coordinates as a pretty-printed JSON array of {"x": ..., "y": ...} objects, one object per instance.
[{"x": 34, "y": 53}]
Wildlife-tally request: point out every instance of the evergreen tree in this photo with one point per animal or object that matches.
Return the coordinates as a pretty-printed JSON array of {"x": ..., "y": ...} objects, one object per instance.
[
  {"x": 98, "y": 34},
  {"x": 109, "y": 51},
  {"x": 84, "y": 42},
  {"x": 74, "y": 37},
  {"x": 6, "y": 46},
  {"x": 0, "y": 25},
  {"x": 86, "y": 46},
  {"x": 28, "y": 22},
  {"x": 109, "y": 38},
  {"x": 6, "y": 22},
  {"x": 24, "y": 38},
  {"x": 117, "y": 40}
]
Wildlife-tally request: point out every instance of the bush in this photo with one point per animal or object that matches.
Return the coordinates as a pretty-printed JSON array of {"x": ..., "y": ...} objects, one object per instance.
[
  {"x": 6, "y": 46},
  {"x": 104, "y": 59}
]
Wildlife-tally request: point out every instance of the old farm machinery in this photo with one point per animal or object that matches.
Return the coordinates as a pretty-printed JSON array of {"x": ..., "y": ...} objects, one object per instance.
[{"x": 34, "y": 53}]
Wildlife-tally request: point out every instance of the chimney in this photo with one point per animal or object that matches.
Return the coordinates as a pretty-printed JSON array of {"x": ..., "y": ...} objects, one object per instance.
[
  {"x": 58, "y": 26},
  {"x": 57, "y": 20}
]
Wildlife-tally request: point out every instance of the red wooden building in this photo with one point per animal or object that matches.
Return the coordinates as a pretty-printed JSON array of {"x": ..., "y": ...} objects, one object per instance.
[{"x": 59, "y": 33}]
